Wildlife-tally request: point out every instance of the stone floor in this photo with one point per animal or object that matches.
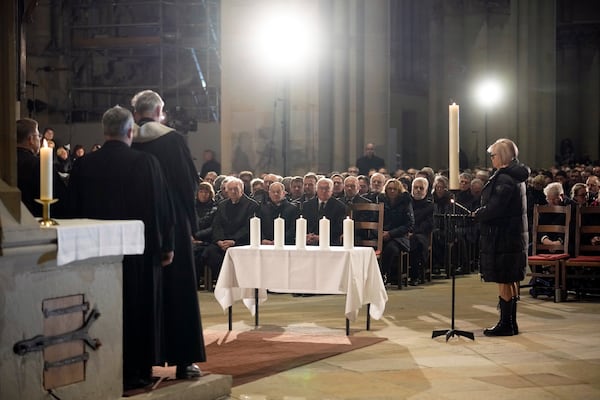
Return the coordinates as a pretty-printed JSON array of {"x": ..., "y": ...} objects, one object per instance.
[{"x": 556, "y": 355}]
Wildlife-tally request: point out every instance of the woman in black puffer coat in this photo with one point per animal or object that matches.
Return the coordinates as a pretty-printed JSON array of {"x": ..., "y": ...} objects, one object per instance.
[
  {"x": 503, "y": 220},
  {"x": 398, "y": 222}
]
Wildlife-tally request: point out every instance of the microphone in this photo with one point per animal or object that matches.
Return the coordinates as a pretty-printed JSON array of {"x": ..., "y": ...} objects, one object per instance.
[{"x": 456, "y": 203}]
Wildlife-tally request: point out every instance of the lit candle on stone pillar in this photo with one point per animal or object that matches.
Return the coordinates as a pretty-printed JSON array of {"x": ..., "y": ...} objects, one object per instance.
[
  {"x": 324, "y": 234},
  {"x": 279, "y": 231},
  {"x": 45, "y": 171},
  {"x": 348, "y": 233},
  {"x": 255, "y": 232},
  {"x": 300, "y": 233},
  {"x": 453, "y": 148}
]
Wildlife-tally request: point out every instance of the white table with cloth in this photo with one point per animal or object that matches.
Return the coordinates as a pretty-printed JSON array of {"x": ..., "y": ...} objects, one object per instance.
[
  {"x": 247, "y": 273},
  {"x": 79, "y": 239}
]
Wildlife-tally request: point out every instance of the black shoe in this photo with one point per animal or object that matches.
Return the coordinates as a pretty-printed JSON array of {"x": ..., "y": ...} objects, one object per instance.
[{"x": 188, "y": 371}]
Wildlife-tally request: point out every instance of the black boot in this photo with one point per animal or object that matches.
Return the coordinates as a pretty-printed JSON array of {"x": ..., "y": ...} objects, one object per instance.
[
  {"x": 504, "y": 327},
  {"x": 514, "y": 301}
]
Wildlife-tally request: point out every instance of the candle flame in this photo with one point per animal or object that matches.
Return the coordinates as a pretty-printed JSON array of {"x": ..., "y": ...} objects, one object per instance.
[{"x": 44, "y": 143}]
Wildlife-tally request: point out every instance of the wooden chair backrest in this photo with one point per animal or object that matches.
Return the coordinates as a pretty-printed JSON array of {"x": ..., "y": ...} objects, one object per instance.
[
  {"x": 538, "y": 229},
  {"x": 377, "y": 226},
  {"x": 586, "y": 217}
]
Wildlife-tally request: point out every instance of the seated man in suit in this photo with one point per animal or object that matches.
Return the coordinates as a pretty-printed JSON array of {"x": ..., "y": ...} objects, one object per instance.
[
  {"x": 324, "y": 205},
  {"x": 419, "y": 238},
  {"x": 231, "y": 226},
  {"x": 278, "y": 206},
  {"x": 350, "y": 197}
]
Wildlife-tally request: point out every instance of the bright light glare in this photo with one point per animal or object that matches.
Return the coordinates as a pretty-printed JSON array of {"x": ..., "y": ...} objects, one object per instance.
[
  {"x": 489, "y": 93},
  {"x": 285, "y": 40}
]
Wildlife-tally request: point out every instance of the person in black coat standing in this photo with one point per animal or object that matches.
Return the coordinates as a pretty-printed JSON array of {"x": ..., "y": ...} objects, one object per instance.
[
  {"x": 183, "y": 326},
  {"x": 503, "y": 223},
  {"x": 117, "y": 182}
]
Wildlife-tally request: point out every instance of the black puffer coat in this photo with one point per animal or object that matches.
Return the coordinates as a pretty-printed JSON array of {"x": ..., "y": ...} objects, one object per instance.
[{"x": 503, "y": 221}]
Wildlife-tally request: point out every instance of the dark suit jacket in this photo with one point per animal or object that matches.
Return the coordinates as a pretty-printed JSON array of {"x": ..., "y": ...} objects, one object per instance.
[
  {"x": 334, "y": 210},
  {"x": 232, "y": 221},
  {"x": 287, "y": 211}
]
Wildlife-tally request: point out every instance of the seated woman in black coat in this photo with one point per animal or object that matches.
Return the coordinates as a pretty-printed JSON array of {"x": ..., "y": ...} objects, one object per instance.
[
  {"x": 398, "y": 222},
  {"x": 206, "y": 207}
]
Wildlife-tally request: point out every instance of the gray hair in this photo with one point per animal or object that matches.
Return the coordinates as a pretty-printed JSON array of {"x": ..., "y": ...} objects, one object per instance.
[
  {"x": 146, "y": 100},
  {"x": 424, "y": 181},
  {"x": 555, "y": 188},
  {"x": 117, "y": 121},
  {"x": 505, "y": 149}
]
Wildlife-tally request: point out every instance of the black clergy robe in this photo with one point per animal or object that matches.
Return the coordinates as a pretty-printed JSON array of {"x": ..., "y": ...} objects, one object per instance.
[
  {"x": 183, "y": 327},
  {"x": 117, "y": 182}
]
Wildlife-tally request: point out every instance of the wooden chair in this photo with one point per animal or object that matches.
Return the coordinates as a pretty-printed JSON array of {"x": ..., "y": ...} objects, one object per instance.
[
  {"x": 586, "y": 263},
  {"x": 547, "y": 261},
  {"x": 374, "y": 226}
]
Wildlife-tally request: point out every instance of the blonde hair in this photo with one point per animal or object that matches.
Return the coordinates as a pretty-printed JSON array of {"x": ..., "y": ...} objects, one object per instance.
[{"x": 505, "y": 149}]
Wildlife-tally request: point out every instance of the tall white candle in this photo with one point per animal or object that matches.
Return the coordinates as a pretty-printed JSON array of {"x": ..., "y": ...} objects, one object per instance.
[
  {"x": 324, "y": 233},
  {"x": 453, "y": 148},
  {"x": 279, "y": 231},
  {"x": 348, "y": 233},
  {"x": 255, "y": 232},
  {"x": 301, "y": 233},
  {"x": 45, "y": 171}
]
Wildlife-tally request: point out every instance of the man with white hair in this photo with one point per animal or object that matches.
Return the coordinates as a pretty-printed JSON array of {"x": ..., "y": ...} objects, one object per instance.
[
  {"x": 419, "y": 238},
  {"x": 277, "y": 206},
  {"x": 324, "y": 205},
  {"x": 182, "y": 324},
  {"x": 555, "y": 196},
  {"x": 231, "y": 226},
  {"x": 376, "y": 188}
]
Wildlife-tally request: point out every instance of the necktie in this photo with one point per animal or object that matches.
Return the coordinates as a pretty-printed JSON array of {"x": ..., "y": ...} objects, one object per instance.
[{"x": 321, "y": 206}]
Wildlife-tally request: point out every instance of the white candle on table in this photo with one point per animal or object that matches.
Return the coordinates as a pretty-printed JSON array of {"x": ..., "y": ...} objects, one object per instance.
[
  {"x": 348, "y": 233},
  {"x": 324, "y": 233},
  {"x": 453, "y": 148},
  {"x": 279, "y": 230},
  {"x": 45, "y": 171},
  {"x": 301, "y": 233},
  {"x": 255, "y": 232}
]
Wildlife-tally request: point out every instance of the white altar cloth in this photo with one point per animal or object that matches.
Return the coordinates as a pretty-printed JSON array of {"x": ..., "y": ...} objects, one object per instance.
[
  {"x": 353, "y": 272},
  {"x": 79, "y": 239}
]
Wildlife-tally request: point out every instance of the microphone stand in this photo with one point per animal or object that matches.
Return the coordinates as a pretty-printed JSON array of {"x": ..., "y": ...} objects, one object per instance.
[{"x": 452, "y": 331}]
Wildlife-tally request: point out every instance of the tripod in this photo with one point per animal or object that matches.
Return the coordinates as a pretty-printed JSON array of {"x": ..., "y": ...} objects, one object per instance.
[{"x": 450, "y": 221}]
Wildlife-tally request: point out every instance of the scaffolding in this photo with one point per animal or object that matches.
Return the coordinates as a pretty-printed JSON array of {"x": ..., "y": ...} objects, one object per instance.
[{"x": 118, "y": 48}]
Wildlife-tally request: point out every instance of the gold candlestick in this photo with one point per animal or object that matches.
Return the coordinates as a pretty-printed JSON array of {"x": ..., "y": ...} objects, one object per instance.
[{"x": 46, "y": 221}]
